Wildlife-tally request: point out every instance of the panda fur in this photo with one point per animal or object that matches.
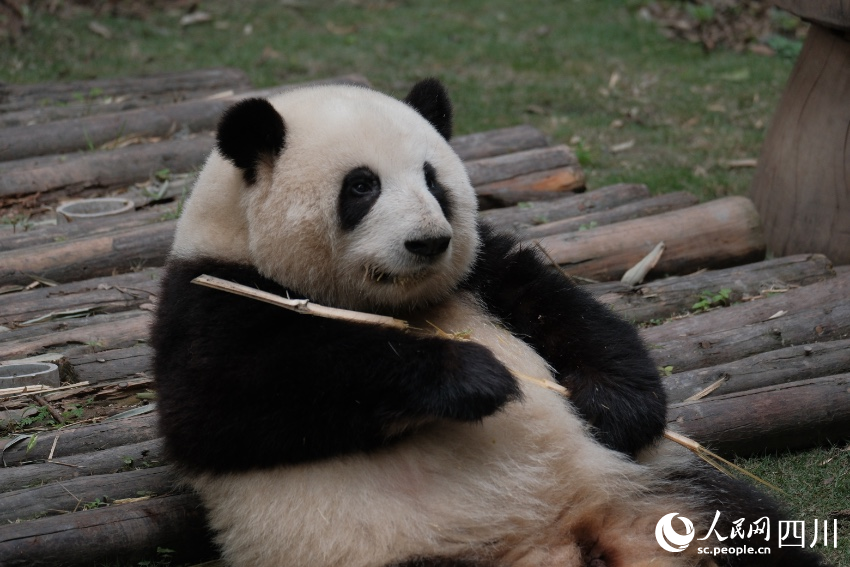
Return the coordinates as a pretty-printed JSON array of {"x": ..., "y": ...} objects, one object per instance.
[{"x": 362, "y": 445}]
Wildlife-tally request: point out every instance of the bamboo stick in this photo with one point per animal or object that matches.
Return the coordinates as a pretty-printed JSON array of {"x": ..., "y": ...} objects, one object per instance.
[{"x": 303, "y": 306}]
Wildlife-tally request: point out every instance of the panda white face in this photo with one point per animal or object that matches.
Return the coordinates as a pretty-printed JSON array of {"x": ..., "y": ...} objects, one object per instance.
[{"x": 342, "y": 194}]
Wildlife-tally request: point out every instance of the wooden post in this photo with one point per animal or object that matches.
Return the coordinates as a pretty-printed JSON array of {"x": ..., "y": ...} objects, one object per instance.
[{"x": 802, "y": 184}]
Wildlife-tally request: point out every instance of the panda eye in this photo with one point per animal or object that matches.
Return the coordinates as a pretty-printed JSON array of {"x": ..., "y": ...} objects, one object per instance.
[
  {"x": 437, "y": 190},
  {"x": 430, "y": 177},
  {"x": 360, "y": 190},
  {"x": 361, "y": 182}
]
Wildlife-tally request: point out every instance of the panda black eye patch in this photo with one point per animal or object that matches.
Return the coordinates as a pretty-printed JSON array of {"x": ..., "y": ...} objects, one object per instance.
[
  {"x": 360, "y": 190},
  {"x": 436, "y": 189}
]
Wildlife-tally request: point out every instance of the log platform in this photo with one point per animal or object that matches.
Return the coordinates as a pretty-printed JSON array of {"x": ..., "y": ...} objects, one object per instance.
[{"x": 755, "y": 351}]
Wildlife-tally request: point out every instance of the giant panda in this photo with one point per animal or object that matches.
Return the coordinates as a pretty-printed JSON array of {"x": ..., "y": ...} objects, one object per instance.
[{"x": 321, "y": 442}]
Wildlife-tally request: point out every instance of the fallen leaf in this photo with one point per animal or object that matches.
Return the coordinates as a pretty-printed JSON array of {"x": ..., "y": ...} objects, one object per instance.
[
  {"x": 617, "y": 148},
  {"x": 740, "y": 163},
  {"x": 736, "y": 76},
  {"x": 100, "y": 29},
  {"x": 198, "y": 17}
]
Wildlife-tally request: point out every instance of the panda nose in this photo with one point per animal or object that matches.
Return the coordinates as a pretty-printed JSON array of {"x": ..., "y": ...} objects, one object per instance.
[{"x": 428, "y": 247}]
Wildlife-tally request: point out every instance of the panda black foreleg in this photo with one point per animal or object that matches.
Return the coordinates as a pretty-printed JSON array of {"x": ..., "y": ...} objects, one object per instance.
[
  {"x": 286, "y": 387},
  {"x": 597, "y": 355}
]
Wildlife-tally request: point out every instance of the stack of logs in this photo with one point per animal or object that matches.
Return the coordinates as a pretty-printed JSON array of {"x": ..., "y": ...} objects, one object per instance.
[{"x": 769, "y": 371}]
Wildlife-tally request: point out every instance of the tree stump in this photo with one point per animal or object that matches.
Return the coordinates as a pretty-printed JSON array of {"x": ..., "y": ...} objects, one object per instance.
[{"x": 802, "y": 185}]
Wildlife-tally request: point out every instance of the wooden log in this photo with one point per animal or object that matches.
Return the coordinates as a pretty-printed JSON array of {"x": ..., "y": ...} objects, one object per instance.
[
  {"x": 144, "y": 454},
  {"x": 91, "y": 106},
  {"x": 815, "y": 313},
  {"x": 491, "y": 169},
  {"x": 717, "y": 234},
  {"x": 115, "y": 330},
  {"x": 108, "y": 105},
  {"x": 781, "y": 366},
  {"x": 92, "y": 132},
  {"x": 44, "y": 114},
  {"x": 797, "y": 415},
  {"x": 85, "y": 258},
  {"x": 350, "y": 79},
  {"x": 537, "y": 186},
  {"x": 528, "y": 214},
  {"x": 802, "y": 184},
  {"x": 99, "y": 295},
  {"x": 81, "y": 228},
  {"x": 678, "y": 294},
  {"x": 112, "y": 364},
  {"x": 123, "y": 534},
  {"x": 498, "y": 142},
  {"x": 115, "y": 168},
  {"x": 161, "y": 86},
  {"x": 83, "y": 492},
  {"x": 36, "y": 162},
  {"x": 639, "y": 209},
  {"x": 793, "y": 301},
  {"x": 82, "y": 439},
  {"x": 48, "y": 327}
]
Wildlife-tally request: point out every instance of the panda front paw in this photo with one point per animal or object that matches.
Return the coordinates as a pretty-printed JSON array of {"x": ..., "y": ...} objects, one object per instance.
[{"x": 474, "y": 383}]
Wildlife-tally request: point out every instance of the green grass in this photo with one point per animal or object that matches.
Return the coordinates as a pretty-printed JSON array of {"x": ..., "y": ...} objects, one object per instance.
[
  {"x": 587, "y": 72},
  {"x": 816, "y": 486},
  {"x": 572, "y": 68}
]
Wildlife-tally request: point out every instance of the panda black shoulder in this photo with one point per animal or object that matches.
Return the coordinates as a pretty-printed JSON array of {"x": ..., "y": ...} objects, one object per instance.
[{"x": 597, "y": 355}]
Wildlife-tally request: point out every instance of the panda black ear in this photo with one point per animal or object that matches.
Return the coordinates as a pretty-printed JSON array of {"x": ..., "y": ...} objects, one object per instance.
[
  {"x": 430, "y": 99},
  {"x": 250, "y": 132}
]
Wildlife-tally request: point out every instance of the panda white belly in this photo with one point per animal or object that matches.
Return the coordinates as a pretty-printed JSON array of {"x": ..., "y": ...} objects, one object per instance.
[{"x": 526, "y": 486}]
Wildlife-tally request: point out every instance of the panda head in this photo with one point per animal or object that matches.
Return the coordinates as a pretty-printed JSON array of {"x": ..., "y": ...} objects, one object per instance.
[{"x": 340, "y": 193}]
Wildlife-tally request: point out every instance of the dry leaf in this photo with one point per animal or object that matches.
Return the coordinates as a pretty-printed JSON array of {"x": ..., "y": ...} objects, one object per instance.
[
  {"x": 198, "y": 17},
  {"x": 100, "y": 29},
  {"x": 617, "y": 148},
  {"x": 738, "y": 163}
]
